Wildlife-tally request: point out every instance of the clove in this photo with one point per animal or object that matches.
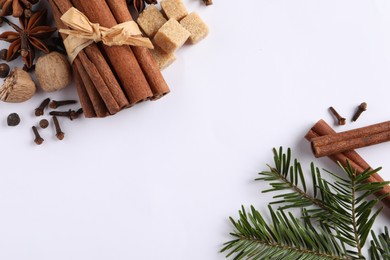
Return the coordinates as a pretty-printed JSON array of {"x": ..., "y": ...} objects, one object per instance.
[
  {"x": 340, "y": 120},
  {"x": 362, "y": 107},
  {"x": 54, "y": 104},
  {"x": 39, "y": 111},
  {"x": 59, "y": 134},
  {"x": 71, "y": 114},
  {"x": 38, "y": 139}
]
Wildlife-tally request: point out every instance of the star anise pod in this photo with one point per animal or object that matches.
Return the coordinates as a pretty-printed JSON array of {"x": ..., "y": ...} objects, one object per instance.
[
  {"x": 16, "y": 7},
  {"x": 139, "y": 5},
  {"x": 28, "y": 37}
]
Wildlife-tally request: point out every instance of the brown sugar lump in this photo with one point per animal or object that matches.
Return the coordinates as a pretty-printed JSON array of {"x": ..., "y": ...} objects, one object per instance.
[
  {"x": 171, "y": 36},
  {"x": 195, "y": 25},
  {"x": 174, "y": 9},
  {"x": 162, "y": 58},
  {"x": 150, "y": 20}
]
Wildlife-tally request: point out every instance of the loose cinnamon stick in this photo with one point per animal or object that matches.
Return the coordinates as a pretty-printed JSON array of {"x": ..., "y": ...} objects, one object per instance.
[
  {"x": 321, "y": 128},
  {"x": 352, "y": 139},
  {"x": 145, "y": 59},
  {"x": 101, "y": 75},
  {"x": 121, "y": 58}
]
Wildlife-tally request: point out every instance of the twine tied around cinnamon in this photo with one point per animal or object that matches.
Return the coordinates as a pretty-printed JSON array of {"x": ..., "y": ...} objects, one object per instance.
[{"x": 83, "y": 33}]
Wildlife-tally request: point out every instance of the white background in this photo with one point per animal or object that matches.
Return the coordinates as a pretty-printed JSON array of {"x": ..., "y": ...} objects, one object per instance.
[{"x": 160, "y": 180}]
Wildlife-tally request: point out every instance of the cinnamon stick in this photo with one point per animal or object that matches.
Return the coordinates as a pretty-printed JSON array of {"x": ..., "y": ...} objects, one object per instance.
[
  {"x": 99, "y": 84},
  {"x": 85, "y": 101},
  {"x": 352, "y": 139},
  {"x": 145, "y": 59},
  {"x": 94, "y": 54},
  {"x": 97, "y": 102},
  {"x": 321, "y": 128},
  {"x": 121, "y": 58}
]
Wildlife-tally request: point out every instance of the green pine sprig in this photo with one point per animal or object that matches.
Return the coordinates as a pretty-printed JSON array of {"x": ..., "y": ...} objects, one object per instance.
[{"x": 341, "y": 210}]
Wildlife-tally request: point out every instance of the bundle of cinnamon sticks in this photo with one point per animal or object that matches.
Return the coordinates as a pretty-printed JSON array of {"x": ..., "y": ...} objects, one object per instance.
[{"x": 110, "y": 78}]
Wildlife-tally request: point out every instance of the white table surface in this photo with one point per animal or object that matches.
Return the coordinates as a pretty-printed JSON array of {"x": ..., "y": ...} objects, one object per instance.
[{"x": 160, "y": 180}]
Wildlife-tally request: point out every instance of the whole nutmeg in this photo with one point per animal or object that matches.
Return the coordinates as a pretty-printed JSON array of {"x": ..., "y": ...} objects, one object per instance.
[
  {"x": 53, "y": 72},
  {"x": 18, "y": 87}
]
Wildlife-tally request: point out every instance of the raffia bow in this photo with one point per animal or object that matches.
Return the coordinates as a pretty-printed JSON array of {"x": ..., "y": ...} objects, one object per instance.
[{"x": 83, "y": 33}]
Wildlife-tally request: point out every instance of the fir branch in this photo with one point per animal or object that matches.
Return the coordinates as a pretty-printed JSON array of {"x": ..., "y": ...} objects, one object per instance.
[
  {"x": 380, "y": 246},
  {"x": 335, "y": 204},
  {"x": 286, "y": 238},
  {"x": 342, "y": 209},
  {"x": 357, "y": 209},
  {"x": 283, "y": 176}
]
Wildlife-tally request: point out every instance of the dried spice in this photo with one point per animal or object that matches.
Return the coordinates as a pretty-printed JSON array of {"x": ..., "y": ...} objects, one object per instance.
[
  {"x": 44, "y": 123},
  {"x": 13, "y": 119},
  {"x": 361, "y": 108},
  {"x": 59, "y": 134},
  {"x": 208, "y": 2},
  {"x": 352, "y": 139},
  {"x": 53, "y": 71},
  {"x": 340, "y": 120},
  {"x": 4, "y": 70},
  {"x": 18, "y": 87},
  {"x": 40, "y": 110},
  {"x": 139, "y": 5},
  {"x": 38, "y": 139},
  {"x": 28, "y": 37},
  {"x": 71, "y": 114},
  {"x": 56, "y": 104},
  {"x": 16, "y": 8}
]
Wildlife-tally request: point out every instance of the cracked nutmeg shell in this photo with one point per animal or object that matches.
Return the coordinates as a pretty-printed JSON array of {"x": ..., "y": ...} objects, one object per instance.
[{"x": 18, "y": 87}]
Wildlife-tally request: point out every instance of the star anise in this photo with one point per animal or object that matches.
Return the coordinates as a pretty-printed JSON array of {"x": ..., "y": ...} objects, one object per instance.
[
  {"x": 16, "y": 7},
  {"x": 139, "y": 5},
  {"x": 28, "y": 37}
]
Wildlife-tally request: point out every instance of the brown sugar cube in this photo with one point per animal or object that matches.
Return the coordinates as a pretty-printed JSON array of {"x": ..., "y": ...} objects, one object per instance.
[
  {"x": 195, "y": 25},
  {"x": 150, "y": 20},
  {"x": 162, "y": 58},
  {"x": 171, "y": 36},
  {"x": 174, "y": 9}
]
